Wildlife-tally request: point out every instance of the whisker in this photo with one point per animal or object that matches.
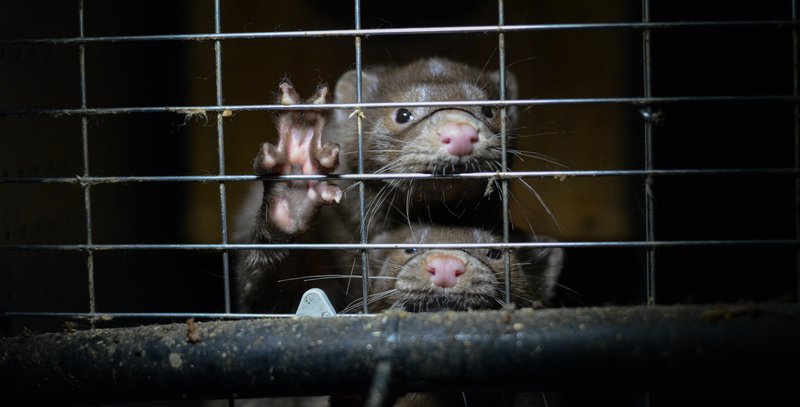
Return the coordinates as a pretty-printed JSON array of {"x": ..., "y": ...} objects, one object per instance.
[
  {"x": 333, "y": 276},
  {"x": 519, "y": 61},
  {"x": 352, "y": 275},
  {"x": 370, "y": 299},
  {"x": 539, "y": 156},
  {"x": 541, "y": 201}
]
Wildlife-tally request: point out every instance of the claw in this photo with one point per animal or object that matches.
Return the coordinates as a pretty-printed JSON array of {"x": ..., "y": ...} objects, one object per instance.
[
  {"x": 321, "y": 96},
  {"x": 328, "y": 155},
  {"x": 329, "y": 193},
  {"x": 300, "y": 150},
  {"x": 288, "y": 95},
  {"x": 268, "y": 158}
]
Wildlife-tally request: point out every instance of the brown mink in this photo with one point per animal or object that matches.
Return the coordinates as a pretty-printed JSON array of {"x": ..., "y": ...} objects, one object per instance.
[
  {"x": 436, "y": 140},
  {"x": 420, "y": 280}
]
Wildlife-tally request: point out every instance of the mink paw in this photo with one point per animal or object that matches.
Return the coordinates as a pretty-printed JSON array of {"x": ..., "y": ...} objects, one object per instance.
[{"x": 293, "y": 205}]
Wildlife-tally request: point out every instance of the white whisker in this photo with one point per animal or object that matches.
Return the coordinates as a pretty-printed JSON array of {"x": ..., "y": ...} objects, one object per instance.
[{"x": 333, "y": 276}]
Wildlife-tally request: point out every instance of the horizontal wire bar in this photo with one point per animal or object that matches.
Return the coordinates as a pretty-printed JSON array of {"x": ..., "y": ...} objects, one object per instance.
[
  {"x": 201, "y": 110},
  {"x": 379, "y": 246},
  {"x": 107, "y": 316},
  {"x": 478, "y": 29},
  {"x": 79, "y": 180}
]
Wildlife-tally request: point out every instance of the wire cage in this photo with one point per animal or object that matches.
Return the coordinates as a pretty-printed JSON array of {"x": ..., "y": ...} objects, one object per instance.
[{"x": 657, "y": 142}]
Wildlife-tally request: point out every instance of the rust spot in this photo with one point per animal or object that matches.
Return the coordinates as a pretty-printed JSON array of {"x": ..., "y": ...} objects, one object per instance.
[
  {"x": 70, "y": 327},
  {"x": 731, "y": 312},
  {"x": 192, "y": 331}
]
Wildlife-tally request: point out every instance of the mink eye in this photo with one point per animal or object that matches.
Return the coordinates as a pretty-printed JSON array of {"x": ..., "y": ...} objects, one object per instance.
[
  {"x": 488, "y": 112},
  {"x": 403, "y": 116},
  {"x": 411, "y": 250},
  {"x": 494, "y": 254}
]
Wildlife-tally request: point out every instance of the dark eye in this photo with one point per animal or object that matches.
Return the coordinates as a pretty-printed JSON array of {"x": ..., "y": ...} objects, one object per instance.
[
  {"x": 488, "y": 112},
  {"x": 411, "y": 250},
  {"x": 403, "y": 116},
  {"x": 494, "y": 254}
]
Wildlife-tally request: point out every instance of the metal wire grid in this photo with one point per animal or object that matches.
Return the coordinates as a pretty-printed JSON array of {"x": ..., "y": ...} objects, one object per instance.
[{"x": 647, "y": 101}]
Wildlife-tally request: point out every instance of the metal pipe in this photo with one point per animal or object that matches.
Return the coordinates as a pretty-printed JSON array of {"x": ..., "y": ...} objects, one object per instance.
[{"x": 743, "y": 346}]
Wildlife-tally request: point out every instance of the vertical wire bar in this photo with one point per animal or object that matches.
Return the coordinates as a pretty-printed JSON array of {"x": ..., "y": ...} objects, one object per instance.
[
  {"x": 221, "y": 157},
  {"x": 362, "y": 185},
  {"x": 380, "y": 388},
  {"x": 87, "y": 194},
  {"x": 796, "y": 91},
  {"x": 649, "y": 228},
  {"x": 501, "y": 53}
]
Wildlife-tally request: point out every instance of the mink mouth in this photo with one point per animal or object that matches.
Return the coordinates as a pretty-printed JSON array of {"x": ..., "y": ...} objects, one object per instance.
[
  {"x": 450, "y": 168},
  {"x": 440, "y": 303}
]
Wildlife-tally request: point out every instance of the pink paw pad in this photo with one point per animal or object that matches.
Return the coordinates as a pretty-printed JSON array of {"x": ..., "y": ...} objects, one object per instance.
[{"x": 300, "y": 150}]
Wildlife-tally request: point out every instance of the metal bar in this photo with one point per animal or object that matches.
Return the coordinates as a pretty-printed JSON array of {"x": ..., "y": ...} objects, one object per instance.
[
  {"x": 380, "y": 390},
  {"x": 658, "y": 347},
  {"x": 375, "y": 246},
  {"x": 409, "y": 175},
  {"x": 87, "y": 193},
  {"x": 223, "y": 211},
  {"x": 501, "y": 54},
  {"x": 110, "y": 316},
  {"x": 649, "y": 199},
  {"x": 192, "y": 110},
  {"x": 358, "y": 32},
  {"x": 796, "y": 91},
  {"x": 362, "y": 221}
]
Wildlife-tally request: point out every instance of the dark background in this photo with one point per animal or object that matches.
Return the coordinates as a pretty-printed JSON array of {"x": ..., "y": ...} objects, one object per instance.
[
  {"x": 548, "y": 64},
  {"x": 717, "y": 61},
  {"x": 721, "y": 61}
]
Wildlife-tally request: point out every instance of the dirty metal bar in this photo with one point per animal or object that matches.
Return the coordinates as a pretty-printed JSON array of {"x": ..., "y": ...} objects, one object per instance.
[
  {"x": 367, "y": 246},
  {"x": 636, "y": 101},
  {"x": 648, "y": 113},
  {"x": 362, "y": 206},
  {"x": 407, "y": 175},
  {"x": 744, "y": 346},
  {"x": 87, "y": 188},
  {"x": 380, "y": 390},
  {"x": 796, "y": 91},
  {"x": 477, "y": 29},
  {"x": 501, "y": 56},
  {"x": 223, "y": 200}
]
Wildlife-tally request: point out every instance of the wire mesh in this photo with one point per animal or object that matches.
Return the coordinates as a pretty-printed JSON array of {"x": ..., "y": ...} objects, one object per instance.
[{"x": 647, "y": 102}]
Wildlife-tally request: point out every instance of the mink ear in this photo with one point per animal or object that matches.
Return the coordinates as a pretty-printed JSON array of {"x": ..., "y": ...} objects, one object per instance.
[
  {"x": 512, "y": 91},
  {"x": 346, "y": 90},
  {"x": 543, "y": 268}
]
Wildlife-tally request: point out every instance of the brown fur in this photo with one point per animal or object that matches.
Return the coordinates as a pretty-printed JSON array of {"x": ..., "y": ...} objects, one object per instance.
[
  {"x": 402, "y": 272},
  {"x": 389, "y": 203}
]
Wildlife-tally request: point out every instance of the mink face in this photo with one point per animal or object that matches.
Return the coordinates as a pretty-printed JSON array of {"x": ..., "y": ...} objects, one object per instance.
[
  {"x": 435, "y": 140},
  {"x": 458, "y": 280}
]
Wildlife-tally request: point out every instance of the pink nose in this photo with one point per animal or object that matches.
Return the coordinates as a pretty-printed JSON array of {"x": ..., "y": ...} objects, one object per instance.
[
  {"x": 445, "y": 270},
  {"x": 458, "y": 138}
]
